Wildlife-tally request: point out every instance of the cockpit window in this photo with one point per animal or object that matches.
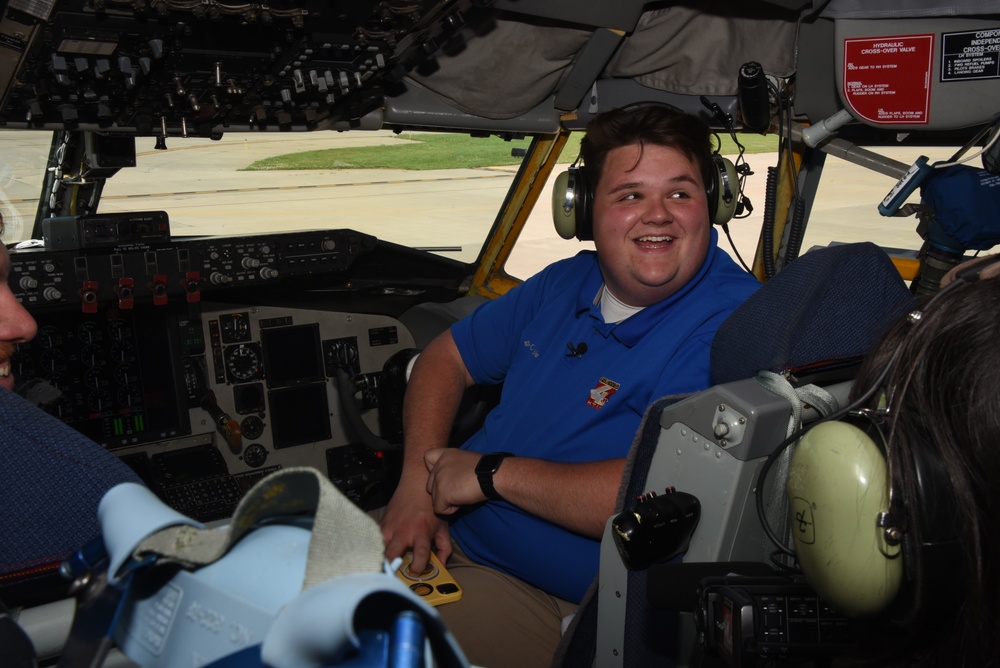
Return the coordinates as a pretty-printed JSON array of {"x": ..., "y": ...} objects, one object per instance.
[{"x": 433, "y": 191}]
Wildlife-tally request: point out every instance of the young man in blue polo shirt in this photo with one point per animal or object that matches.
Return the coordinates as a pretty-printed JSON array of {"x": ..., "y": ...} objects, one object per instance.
[{"x": 583, "y": 348}]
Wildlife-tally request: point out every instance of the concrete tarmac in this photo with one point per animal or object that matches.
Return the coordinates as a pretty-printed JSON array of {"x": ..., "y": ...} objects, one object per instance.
[{"x": 201, "y": 185}]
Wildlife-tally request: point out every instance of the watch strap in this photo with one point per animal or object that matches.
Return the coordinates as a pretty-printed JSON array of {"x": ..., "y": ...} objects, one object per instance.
[{"x": 486, "y": 468}]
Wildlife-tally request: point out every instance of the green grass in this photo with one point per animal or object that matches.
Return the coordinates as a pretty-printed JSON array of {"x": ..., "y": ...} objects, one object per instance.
[
  {"x": 447, "y": 151},
  {"x": 752, "y": 143},
  {"x": 408, "y": 151}
]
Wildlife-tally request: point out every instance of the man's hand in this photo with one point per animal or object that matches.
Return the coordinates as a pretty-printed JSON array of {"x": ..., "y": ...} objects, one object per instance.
[
  {"x": 578, "y": 496},
  {"x": 435, "y": 390},
  {"x": 451, "y": 479},
  {"x": 409, "y": 522}
]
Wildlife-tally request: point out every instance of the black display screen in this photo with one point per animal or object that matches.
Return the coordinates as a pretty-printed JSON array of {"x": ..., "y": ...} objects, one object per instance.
[
  {"x": 180, "y": 466},
  {"x": 292, "y": 355},
  {"x": 299, "y": 414}
]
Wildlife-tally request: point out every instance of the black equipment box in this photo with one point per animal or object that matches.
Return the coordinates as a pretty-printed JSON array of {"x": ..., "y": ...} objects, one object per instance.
[{"x": 112, "y": 229}]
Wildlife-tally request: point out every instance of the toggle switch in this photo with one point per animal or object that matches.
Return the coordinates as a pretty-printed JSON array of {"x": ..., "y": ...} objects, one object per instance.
[
  {"x": 192, "y": 286},
  {"x": 88, "y": 296},
  {"x": 158, "y": 288},
  {"x": 125, "y": 293}
]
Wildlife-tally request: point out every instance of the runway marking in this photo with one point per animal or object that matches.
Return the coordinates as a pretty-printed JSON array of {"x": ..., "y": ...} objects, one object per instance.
[{"x": 216, "y": 191}]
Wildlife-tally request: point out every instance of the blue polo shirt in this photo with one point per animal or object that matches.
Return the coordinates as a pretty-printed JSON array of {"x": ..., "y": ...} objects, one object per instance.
[{"x": 565, "y": 408}]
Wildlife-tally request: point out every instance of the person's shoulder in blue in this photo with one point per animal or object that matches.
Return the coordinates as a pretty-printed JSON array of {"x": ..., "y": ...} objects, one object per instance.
[{"x": 582, "y": 349}]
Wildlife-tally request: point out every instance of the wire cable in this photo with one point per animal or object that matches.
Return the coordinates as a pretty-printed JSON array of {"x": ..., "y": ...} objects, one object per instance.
[{"x": 987, "y": 147}]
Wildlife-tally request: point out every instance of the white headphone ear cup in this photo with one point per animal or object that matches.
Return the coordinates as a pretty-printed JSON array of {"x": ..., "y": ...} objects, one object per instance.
[
  {"x": 725, "y": 191},
  {"x": 837, "y": 486},
  {"x": 564, "y": 206}
]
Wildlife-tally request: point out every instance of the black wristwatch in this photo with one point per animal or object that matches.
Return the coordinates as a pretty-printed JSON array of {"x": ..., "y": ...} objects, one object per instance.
[{"x": 487, "y": 466}]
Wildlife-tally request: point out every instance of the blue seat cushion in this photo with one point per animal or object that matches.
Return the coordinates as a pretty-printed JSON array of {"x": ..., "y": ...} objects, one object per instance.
[
  {"x": 51, "y": 482},
  {"x": 830, "y": 304}
]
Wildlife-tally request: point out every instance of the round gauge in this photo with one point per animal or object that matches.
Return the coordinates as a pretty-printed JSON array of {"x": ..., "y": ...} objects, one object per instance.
[
  {"x": 92, "y": 355},
  {"x": 126, "y": 374},
  {"x": 49, "y": 337},
  {"x": 123, "y": 351},
  {"x": 61, "y": 408},
  {"x": 89, "y": 332},
  {"x": 235, "y": 327},
  {"x": 243, "y": 363},
  {"x": 96, "y": 379},
  {"x": 21, "y": 365},
  {"x": 255, "y": 455},
  {"x": 99, "y": 401},
  {"x": 52, "y": 362},
  {"x": 252, "y": 427},
  {"x": 119, "y": 330},
  {"x": 129, "y": 396}
]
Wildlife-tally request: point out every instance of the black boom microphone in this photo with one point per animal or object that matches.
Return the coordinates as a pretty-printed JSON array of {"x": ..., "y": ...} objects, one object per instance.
[{"x": 755, "y": 104}]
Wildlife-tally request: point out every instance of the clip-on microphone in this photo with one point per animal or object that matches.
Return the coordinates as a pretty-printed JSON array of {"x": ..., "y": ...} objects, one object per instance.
[{"x": 577, "y": 350}]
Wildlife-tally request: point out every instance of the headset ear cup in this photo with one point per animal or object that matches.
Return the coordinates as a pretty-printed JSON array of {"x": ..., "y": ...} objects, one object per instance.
[
  {"x": 564, "y": 206},
  {"x": 571, "y": 205},
  {"x": 837, "y": 486},
  {"x": 723, "y": 191}
]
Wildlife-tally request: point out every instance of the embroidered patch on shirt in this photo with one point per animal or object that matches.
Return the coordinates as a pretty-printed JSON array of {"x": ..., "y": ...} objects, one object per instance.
[{"x": 602, "y": 392}]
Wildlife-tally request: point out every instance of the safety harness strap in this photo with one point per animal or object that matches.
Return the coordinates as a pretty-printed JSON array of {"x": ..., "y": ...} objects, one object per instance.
[{"x": 344, "y": 539}]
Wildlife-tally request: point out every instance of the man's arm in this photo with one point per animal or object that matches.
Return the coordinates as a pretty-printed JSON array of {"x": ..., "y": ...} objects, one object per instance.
[
  {"x": 433, "y": 395},
  {"x": 578, "y": 497}
]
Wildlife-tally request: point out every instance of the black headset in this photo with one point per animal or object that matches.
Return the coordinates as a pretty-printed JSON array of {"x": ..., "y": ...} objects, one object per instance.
[
  {"x": 573, "y": 199},
  {"x": 854, "y": 538}
]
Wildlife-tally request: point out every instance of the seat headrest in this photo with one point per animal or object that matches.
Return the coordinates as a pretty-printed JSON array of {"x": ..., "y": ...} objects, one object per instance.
[{"x": 832, "y": 303}]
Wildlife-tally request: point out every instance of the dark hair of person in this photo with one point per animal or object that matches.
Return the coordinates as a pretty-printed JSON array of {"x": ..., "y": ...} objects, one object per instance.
[
  {"x": 942, "y": 395},
  {"x": 650, "y": 124}
]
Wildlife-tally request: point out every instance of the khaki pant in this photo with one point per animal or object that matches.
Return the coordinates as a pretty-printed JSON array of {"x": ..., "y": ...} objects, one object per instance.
[{"x": 500, "y": 621}]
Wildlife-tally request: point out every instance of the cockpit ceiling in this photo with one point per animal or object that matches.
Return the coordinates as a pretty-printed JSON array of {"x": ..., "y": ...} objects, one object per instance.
[
  {"x": 201, "y": 68},
  {"x": 206, "y": 67}
]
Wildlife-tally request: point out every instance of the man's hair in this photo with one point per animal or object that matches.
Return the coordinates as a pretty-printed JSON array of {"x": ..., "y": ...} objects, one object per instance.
[
  {"x": 648, "y": 124},
  {"x": 942, "y": 390}
]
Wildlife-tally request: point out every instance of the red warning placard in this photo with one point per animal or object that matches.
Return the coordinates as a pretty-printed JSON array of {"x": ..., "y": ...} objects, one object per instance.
[{"x": 887, "y": 80}]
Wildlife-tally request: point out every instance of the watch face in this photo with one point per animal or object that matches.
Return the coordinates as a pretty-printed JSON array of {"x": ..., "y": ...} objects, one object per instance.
[
  {"x": 489, "y": 463},
  {"x": 487, "y": 466}
]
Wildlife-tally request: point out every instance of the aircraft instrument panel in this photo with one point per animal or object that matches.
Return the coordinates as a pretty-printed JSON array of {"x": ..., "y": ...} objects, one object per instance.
[{"x": 162, "y": 354}]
